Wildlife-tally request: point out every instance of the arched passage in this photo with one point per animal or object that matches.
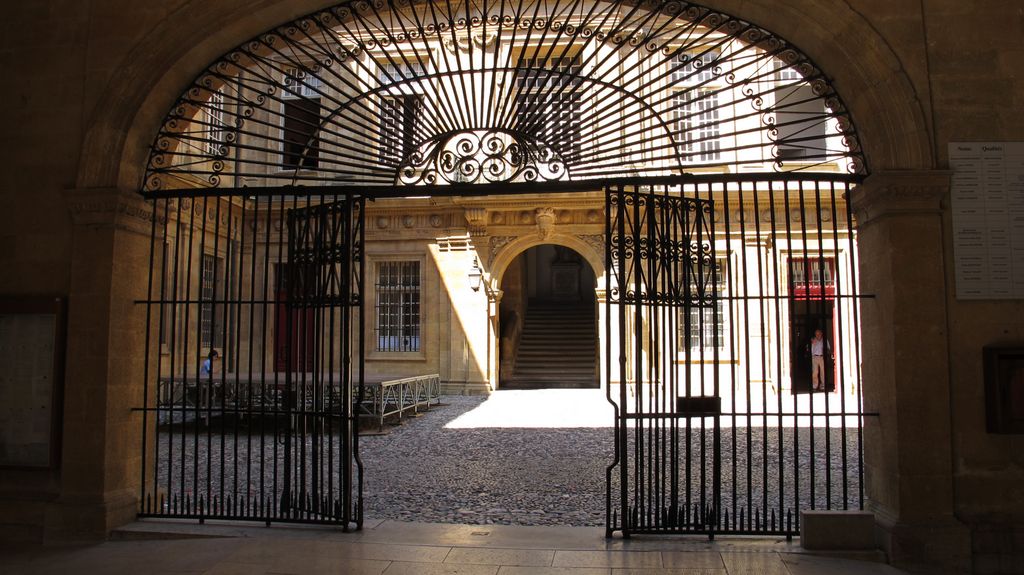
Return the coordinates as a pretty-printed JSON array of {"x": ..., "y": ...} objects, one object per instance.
[
  {"x": 902, "y": 136},
  {"x": 547, "y": 328}
]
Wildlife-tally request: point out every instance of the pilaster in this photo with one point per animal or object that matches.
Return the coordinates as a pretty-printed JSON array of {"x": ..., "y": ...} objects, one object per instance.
[
  {"x": 908, "y": 458},
  {"x": 106, "y": 354}
]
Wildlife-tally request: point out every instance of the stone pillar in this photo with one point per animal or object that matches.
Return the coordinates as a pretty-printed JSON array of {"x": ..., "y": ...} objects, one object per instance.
[
  {"x": 101, "y": 451},
  {"x": 603, "y": 335},
  {"x": 493, "y": 336},
  {"x": 908, "y": 448}
]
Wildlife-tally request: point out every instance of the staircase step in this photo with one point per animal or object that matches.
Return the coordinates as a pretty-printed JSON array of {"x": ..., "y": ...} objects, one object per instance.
[{"x": 557, "y": 347}]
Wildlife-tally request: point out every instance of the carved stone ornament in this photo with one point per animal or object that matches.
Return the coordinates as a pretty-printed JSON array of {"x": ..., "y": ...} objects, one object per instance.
[
  {"x": 595, "y": 241},
  {"x": 498, "y": 243},
  {"x": 461, "y": 42},
  {"x": 545, "y": 222}
]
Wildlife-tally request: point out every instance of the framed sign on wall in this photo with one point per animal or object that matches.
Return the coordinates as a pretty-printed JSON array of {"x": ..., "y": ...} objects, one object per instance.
[{"x": 32, "y": 343}]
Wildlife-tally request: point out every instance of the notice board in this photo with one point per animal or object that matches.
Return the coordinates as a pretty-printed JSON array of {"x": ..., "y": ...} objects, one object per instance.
[
  {"x": 31, "y": 375},
  {"x": 987, "y": 201}
]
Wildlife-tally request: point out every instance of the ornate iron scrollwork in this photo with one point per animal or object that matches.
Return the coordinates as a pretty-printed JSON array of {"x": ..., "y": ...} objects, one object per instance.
[{"x": 482, "y": 156}]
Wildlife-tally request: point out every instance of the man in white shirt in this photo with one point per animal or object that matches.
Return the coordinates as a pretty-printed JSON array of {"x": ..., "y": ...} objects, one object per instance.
[{"x": 818, "y": 349}]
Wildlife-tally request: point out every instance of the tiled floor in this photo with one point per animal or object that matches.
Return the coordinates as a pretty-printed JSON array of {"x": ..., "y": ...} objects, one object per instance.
[{"x": 393, "y": 548}]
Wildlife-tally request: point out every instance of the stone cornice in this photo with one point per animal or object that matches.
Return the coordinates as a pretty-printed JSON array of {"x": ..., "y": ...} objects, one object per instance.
[
  {"x": 566, "y": 201},
  {"x": 893, "y": 193},
  {"x": 110, "y": 208}
]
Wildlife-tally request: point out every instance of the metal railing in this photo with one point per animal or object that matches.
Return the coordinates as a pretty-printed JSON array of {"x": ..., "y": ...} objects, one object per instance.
[{"x": 395, "y": 397}]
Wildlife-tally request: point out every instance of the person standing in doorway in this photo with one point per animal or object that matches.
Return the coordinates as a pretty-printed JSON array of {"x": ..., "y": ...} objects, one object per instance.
[{"x": 818, "y": 347}]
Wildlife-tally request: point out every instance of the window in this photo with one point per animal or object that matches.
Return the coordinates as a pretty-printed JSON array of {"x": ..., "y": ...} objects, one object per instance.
[
  {"x": 704, "y": 329},
  {"x": 785, "y": 73},
  {"x": 301, "y": 95},
  {"x": 549, "y": 103},
  {"x": 209, "y": 334},
  {"x": 399, "y": 116},
  {"x": 812, "y": 275},
  {"x": 696, "y": 67},
  {"x": 401, "y": 109},
  {"x": 801, "y": 122},
  {"x": 402, "y": 77},
  {"x": 696, "y": 124},
  {"x": 299, "y": 84},
  {"x": 215, "y": 124},
  {"x": 695, "y": 103},
  {"x": 398, "y": 306}
]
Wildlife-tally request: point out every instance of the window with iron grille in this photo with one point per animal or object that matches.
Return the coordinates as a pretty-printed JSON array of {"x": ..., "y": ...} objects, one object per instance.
[
  {"x": 209, "y": 335},
  {"x": 707, "y": 325},
  {"x": 398, "y": 306},
  {"x": 549, "y": 103},
  {"x": 301, "y": 101}
]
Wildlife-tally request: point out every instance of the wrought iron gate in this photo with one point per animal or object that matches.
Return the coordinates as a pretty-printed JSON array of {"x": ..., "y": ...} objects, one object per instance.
[
  {"x": 257, "y": 306},
  {"x": 738, "y": 249},
  {"x": 715, "y": 288}
]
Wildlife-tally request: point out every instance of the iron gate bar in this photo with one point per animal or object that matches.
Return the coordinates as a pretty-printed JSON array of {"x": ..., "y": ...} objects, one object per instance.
[{"x": 372, "y": 192}]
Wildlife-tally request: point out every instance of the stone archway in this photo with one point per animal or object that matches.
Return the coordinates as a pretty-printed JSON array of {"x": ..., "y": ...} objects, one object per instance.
[
  {"x": 591, "y": 252},
  {"x": 547, "y": 319},
  {"x": 892, "y": 124}
]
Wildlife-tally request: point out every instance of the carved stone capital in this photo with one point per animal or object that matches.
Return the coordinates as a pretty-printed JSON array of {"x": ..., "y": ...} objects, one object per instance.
[
  {"x": 477, "y": 220},
  {"x": 110, "y": 208},
  {"x": 893, "y": 193}
]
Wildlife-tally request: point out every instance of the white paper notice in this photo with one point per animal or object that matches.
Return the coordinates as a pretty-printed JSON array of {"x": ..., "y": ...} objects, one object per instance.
[{"x": 988, "y": 219}]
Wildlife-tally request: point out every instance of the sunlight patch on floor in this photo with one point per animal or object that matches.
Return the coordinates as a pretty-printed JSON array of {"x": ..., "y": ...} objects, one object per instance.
[
  {"x": 589, "y": 408},
  {"x": 539, "y": 408}
]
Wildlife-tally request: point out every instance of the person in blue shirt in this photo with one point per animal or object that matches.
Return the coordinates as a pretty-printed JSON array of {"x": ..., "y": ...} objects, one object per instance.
[{"x": 207, "y": 369}]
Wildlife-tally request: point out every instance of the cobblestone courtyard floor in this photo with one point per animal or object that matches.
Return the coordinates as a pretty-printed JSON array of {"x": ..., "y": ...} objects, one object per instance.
[
  {"x": 474, "y": 461},
  {"x": 536, "y": 457},
  {"x": 539, "y": 458}
]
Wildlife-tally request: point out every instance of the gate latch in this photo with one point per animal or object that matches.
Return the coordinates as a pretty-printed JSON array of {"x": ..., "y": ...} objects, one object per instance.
[{"x": 699, "y": 406}]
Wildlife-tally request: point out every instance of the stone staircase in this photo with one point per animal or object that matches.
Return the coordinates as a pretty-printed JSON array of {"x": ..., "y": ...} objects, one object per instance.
[{"x": 558, "y": 347}]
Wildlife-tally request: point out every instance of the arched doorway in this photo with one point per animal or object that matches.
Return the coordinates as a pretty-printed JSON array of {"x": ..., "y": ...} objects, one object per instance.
[
  {"x": 261, "y": 173},
  {"x": 548, "y": 321}
]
